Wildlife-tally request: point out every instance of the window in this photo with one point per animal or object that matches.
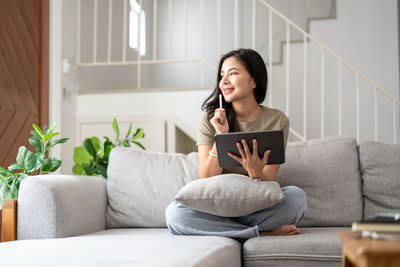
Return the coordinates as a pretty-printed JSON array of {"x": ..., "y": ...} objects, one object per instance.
[{"x": 137, "y": 27}]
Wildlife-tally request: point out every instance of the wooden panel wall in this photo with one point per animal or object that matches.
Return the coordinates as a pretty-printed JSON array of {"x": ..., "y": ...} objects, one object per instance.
[{"x": 24, "y": 72}]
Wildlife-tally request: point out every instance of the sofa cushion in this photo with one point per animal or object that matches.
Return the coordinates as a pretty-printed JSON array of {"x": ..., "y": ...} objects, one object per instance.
[
  {"x": 328, "y": 172},
  {"x": 141, "y": 185},
  {"x": 230, "y": 195},
  {"x": 124, "y": 247},
  {"x": 380, "y": 167},
  {"x": 316, "y": 246}
]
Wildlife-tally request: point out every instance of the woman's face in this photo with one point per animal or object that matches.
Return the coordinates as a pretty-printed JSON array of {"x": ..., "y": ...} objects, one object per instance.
[{"x": 236, "y": 82}]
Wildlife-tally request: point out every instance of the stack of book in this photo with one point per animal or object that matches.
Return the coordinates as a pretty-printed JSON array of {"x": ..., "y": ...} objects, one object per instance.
[{"x": 383, "y": 226}]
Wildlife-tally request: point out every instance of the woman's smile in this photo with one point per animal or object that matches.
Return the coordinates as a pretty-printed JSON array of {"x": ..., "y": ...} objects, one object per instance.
[{"x": 228, "y": 91}]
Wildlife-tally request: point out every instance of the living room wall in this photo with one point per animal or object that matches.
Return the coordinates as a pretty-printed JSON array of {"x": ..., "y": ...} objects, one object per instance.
[{"x": 356, "y": 44}]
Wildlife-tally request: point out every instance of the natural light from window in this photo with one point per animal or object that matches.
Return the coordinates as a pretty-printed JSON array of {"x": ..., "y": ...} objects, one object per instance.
[{"x": 137, "y": 28}]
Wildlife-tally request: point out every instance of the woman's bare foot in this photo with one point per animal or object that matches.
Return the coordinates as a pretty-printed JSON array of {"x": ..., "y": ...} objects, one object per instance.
[{"x": 289, "y": 229}]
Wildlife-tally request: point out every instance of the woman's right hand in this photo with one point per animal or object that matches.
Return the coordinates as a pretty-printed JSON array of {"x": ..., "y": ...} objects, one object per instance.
[{"x": 219, "y": 121}]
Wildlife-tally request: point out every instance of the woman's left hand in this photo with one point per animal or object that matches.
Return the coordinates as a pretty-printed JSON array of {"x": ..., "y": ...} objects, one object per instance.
[{"x": 253, "y": 164}]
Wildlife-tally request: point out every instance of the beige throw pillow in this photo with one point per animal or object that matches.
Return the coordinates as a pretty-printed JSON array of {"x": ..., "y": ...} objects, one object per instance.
[{"x": 230, "y": 195}]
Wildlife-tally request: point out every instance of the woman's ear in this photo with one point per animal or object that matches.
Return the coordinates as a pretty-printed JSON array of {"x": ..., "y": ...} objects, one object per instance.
[{"x": 253, "y": 83}]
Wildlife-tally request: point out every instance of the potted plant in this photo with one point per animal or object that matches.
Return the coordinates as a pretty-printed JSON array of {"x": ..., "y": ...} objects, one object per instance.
[
  {"x": 29, "y": 163},
  {"x": 92, "y": 158}
]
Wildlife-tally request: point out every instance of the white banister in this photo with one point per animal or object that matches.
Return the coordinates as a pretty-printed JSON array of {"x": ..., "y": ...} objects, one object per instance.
[
  {"x": 376, "y": 113},
  {"x": 202, "y": 39},
  {"x": 322, "y": 92},
  {"x": 169, "y": 29},
  {"x": 340, "y": 97},
  {"x": 254, "y": 25},
  {"x": 95, "y": 31},
  {"x": 109, "y": 41},
  {"x": 287, "y": 67},
  {"x": 124, "y": 30},
  {"x": 186, "y": 29},
  {"x": 78, "y": 33},
  {"x": 236, "y": 24},
  {"x": 219, "y": 28},
  {"x": 270, "y": 56},
  {"x": 305, "y": 88},
  {"x": 155, "y": 15},
  {"x": 358, "y": 104},
  {"x": 394, "y": 123}
]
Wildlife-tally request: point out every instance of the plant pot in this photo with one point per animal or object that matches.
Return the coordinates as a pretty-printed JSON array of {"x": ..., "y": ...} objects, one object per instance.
[{"x": 9, "y": 220}]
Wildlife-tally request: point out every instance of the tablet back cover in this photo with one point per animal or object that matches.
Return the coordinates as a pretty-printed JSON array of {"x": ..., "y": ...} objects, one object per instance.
[{"x": 272, "y": 140}]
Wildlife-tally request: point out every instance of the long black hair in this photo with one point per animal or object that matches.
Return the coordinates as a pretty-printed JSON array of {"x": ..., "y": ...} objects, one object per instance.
[{"x": 255, "y": 66}]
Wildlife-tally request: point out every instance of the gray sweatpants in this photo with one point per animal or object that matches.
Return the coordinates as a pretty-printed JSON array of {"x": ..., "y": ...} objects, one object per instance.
[{"x": 184, "y": 221}]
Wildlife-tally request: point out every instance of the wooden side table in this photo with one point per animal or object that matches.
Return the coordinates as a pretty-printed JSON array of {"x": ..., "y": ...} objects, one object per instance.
[
  {"x": 8, "y": 224},
  {"x": 364, "y": 252}
]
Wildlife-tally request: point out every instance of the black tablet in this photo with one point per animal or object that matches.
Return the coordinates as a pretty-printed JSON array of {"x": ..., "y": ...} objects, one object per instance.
[{"x": 272, "y": 140}]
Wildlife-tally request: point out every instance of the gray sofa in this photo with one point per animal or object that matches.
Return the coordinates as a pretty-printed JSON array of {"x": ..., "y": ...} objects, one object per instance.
[{"x": 87, "y": 221}]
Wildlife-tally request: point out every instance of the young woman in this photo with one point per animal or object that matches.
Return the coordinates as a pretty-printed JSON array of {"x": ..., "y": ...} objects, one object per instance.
[{"x": 242, "y": 80}]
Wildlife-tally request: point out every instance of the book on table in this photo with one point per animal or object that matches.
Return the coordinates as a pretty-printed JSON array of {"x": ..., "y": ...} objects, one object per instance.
[
  {"x": 381, "y": 235},
  {"x": 380, "y": 223}
]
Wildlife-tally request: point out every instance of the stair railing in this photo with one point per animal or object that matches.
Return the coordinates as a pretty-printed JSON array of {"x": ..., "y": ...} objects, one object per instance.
[
  {"x": 271, "y": 11},
  {"x": 341, "y": 62}
]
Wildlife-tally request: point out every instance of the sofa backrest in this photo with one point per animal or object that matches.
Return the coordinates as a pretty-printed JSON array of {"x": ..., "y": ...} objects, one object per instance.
[
  {"x": 380, "y": 167},
  {"x": 141, "y": 185},
  {"x": 329, "y": 173}
]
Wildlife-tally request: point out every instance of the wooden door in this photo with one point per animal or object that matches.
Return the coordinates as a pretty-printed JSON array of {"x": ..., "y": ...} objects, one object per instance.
[{"x": 24, "y": 73}]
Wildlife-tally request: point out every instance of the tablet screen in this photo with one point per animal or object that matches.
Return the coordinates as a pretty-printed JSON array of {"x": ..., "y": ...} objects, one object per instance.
[{"x": 272, "y": 140}]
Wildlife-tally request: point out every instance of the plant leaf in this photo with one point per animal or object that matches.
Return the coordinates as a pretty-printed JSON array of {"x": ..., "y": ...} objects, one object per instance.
[
  {"x": 49, "y": 136},
  {"x": 14, "y": 166},
  {"x": 125, "y": 143},
  {"x": 41, "y": 147},
  {"x": 129, "y": 131},
  {"x": 81, "y": 155},
  {"x": 26, "y": 160},
  {"x": 22, "y": 151},
  {"x": 88, "y": 168},
  {"x": 92, "y": 145},
  {"x": 40, "y": 158},
  {"x": 139, "y": 134},
  {"x": 35, "y": 141},
  {"x": 58, "y": 141},
  {"x": 96, "y": 143},
  {"x": 78, "y": 169},
  {"x": 101, "y": 169},
  {"x": 108, "y": 146},
  {"x": 30, "y": 162},
  {"x": 116, "y": 129},
  {"x": 139, "y": 144},
  {"x": 3, "y": 171},
  {"x": 51, "y": 165},
  {"x": 39, "y": 131},
  {"x": 51, "y": 128}
]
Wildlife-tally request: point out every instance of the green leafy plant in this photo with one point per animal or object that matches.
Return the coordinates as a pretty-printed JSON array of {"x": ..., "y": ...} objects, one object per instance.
[
  {"x": 92, "y": 158},
  {"x": 29, "y": 163}
]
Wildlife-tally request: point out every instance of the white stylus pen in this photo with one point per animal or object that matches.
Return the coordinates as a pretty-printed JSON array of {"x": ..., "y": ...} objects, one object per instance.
[{"x": 220, "y": 100}]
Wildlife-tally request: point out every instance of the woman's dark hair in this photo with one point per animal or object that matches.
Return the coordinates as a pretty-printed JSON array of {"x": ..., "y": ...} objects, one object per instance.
[{"x": 255, "y": 66}]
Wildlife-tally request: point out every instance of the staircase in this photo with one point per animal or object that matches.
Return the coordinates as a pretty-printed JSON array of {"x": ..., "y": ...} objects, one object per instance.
[
  {"x": 300, "y": 12},
  {"x": 320, "y": 92}
]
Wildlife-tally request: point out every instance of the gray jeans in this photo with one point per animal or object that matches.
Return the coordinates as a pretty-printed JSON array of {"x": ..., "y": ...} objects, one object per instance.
[{"x": 184, "y": 221}]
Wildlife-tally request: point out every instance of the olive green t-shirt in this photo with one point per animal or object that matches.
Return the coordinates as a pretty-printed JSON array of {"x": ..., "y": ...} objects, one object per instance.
[{"x": 268, "y": 119}]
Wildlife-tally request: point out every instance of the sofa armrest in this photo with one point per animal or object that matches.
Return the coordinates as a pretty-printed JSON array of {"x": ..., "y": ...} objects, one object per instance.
[{"x": 54, "y": 206}]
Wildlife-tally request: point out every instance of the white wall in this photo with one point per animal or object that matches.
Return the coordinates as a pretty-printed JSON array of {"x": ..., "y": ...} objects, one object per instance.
[
  {"x": 352, "y": 35},
  {"x": 366, "y": 35}
]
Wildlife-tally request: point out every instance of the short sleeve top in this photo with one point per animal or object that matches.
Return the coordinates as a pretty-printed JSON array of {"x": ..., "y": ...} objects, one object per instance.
[{"x": 268, "y": 119}]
